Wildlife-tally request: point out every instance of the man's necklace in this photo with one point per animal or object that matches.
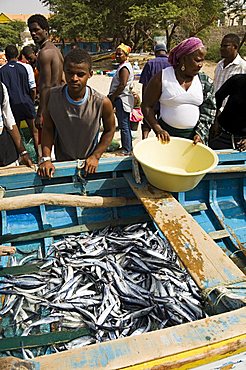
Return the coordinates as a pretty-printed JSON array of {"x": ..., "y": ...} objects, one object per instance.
[{"x": 44, "y": 43}]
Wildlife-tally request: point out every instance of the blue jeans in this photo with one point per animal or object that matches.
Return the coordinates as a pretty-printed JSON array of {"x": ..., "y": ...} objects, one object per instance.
[{"x": 124, "y": 125}]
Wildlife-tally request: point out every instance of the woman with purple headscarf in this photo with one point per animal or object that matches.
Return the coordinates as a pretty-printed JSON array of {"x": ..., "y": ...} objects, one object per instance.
[{"x": 186, "y": 97}]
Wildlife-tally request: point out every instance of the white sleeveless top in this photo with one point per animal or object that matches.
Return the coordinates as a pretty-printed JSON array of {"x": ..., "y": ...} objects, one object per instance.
[
  {"x": 126, "y": 95},
  {"x": 180, "y": 108}
]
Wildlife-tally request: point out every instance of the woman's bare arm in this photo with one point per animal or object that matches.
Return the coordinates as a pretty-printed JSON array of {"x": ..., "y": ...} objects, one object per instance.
[{"x": 150, "y": 99}]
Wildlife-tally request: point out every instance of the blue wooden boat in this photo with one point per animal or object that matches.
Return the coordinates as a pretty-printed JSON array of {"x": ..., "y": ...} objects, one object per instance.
[{"x": 206, "y": 226}]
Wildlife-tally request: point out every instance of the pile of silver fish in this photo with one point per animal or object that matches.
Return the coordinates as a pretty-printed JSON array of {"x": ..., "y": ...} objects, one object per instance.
[{"x": 116, "y": 282}]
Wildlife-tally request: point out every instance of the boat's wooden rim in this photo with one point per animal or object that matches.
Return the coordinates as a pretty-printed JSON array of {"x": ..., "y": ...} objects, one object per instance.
[
  {"x": 224, "y": 157},
  {"x": 194, "y": 343}
]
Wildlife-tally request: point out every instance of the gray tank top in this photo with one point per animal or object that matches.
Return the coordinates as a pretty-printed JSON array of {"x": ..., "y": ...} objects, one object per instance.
[{"x": 76, "y": 126}]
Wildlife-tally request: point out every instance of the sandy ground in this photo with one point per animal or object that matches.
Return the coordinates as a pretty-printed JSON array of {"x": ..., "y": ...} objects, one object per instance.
[{"x": 102, "y": 83}]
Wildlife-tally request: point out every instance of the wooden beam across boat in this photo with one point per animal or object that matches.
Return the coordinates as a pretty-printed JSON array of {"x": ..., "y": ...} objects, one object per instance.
[
  {"x": 194, "y": 343},
  {"x": 65, "y": 200},
  {"x": 209, "y": 266}
]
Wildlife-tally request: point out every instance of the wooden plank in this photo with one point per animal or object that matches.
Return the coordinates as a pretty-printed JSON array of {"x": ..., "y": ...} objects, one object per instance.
[
  {"x": 219, "y": 234},
  {"x": 34, "y": 235},
  {"x": 14, "y": 178},
  {"x": 6, "y": 171},
  {"x": 228, "y": 155},
  {"x": 71, "y": 187},
  {"x": 206, "y": 262},
  {"x": 229, "y": 168},
  {"x": 105, "y": 165},
  {"x": 192, "y": 208},
  {"x": 161, "y": 344},
  {"x": 66, "y": 200}
]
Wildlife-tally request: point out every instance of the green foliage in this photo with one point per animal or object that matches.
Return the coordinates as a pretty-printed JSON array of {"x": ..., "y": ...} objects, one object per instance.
[
  {"x": 243, "y": 51},
  {"x": 10, "y": 33},
  {"x": 213, "y": 52},
  {"x": 187, "y": 18},
  {"x": 132, "y": 21},
  {"x": 76, "y": 20}
]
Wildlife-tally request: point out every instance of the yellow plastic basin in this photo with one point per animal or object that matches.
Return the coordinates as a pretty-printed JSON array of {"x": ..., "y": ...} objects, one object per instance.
[{"x": 177, "y": 166}]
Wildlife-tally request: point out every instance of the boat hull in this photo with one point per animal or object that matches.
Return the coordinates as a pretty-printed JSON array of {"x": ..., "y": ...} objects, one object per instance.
[{"x": 213, "y": 224}]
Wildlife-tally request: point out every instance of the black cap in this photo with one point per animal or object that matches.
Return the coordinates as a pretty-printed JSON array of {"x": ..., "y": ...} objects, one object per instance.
[{"x": 159, "y": 47}]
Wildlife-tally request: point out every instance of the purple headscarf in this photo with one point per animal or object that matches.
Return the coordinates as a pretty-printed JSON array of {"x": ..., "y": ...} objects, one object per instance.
[{"x": 187, "y": 46}]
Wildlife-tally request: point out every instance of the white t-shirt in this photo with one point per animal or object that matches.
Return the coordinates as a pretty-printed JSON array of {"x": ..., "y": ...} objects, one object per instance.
[
  {"x": 6, "y": 115},
  {"x": 180, "y": 108},
  {"x": 31, "y": 78}
]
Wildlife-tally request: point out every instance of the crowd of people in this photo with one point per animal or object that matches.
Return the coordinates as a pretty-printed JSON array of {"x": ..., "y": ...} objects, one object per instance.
[{"x": 63, "y": 113}]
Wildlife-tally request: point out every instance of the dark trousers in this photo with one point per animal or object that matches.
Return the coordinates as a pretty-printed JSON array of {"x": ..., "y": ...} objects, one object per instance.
[
  {"x": 225, "y": 140},
  {"x": 124, "y": 125},
  {"x": 187, "y": 133}
]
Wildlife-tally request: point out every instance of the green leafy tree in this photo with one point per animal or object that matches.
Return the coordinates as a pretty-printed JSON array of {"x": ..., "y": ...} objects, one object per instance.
[
  {"x": 76, "y": 20},
  {"x": 180, "y": 17},
  {"x": 10, "y": 33},
  {"x": 135, "y": 22}
]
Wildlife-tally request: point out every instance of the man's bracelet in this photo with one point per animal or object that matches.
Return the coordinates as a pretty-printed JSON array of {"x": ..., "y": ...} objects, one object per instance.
[
  {"x": 44, "y": 159},
  {"x": 23, "y": 153}
]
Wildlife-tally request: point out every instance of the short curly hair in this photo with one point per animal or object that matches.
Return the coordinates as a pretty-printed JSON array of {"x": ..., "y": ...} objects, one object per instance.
[
  {"x": 27, "y": 50},
  {"x": 78, "y": 56},
  {"x": 40, "y": 20},
  {"x": 11, "y": 52},
  {"x": 234, "y": 39}
]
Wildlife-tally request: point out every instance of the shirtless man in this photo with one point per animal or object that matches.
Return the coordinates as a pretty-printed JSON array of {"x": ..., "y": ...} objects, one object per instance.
[{"x": 49, "y": 60}]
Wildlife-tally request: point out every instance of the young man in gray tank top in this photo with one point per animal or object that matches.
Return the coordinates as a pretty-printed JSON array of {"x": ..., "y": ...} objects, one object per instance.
[{"x": 72, "y": 118}]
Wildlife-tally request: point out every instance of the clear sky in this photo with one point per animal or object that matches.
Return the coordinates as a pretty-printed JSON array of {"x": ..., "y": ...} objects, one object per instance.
[{"x": 22, "y": 7}]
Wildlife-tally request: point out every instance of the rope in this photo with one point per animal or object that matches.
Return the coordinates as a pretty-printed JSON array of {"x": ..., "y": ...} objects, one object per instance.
[{"x": 228, "y": 285}]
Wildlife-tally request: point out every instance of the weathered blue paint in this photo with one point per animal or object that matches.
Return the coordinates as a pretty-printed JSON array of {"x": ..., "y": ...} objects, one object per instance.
[
  {"x": 36, "y": 366},
  {"x": 224, "y": 198},
  {"x": 204, "y": 330},
  {"x": 99, "y": 357},
  {"x": 222, "y": 194}
]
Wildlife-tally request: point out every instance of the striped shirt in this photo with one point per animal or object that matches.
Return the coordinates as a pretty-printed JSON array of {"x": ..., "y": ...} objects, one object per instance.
[{"x": 221, "y": 74}]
